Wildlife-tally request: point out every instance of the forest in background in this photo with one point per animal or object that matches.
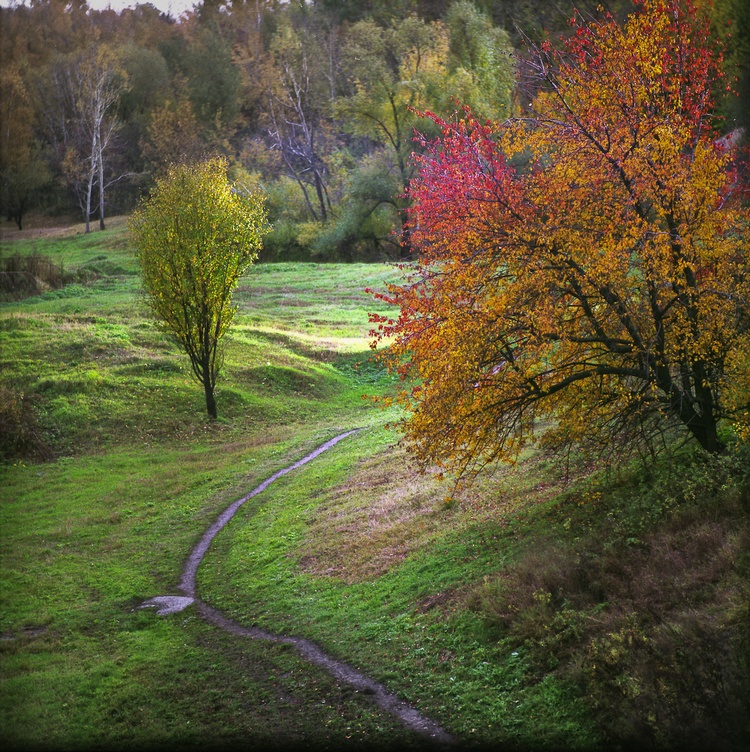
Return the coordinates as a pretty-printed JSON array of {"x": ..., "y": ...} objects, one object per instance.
[{"x": 314, "y": 102}]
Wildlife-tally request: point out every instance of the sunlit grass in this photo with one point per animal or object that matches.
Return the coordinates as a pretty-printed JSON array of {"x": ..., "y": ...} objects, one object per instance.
[
  {"x": 394, "y": 572},
  {"x": 139, "y": 473}
]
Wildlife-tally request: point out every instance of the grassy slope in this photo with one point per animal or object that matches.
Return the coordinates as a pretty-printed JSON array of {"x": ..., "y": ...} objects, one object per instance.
[
  {"x": 139, "y": 475},
  {"x": 355, "y": 551}
]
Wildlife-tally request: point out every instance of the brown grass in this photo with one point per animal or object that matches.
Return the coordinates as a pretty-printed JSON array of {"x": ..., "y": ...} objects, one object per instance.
[
  {"x": 373, "y": 521},
  {"x": 386, "y": 510}
]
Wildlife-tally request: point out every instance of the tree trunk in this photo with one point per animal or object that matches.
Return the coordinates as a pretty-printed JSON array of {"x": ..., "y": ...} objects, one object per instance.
[
  {"x": 705, "y": 433},
  {"x": 321, "y": 197},
  {"x": 101, "y": 187},
  {"x": 208, "y": 388},
  {"x": 91, "y": 176},
  {"x": 87, "y": 210},
  {"x": 711, "y": 441},
  {"x": 100, "y": 173},
  {"x": 705, "y": 429},
  {"x": 696, "y": 411}
]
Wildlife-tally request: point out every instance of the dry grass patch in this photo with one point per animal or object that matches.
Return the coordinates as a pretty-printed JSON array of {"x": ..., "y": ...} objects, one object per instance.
[
  {"x": 386, "y": 510},
  {"x": 372, "y": 522}
]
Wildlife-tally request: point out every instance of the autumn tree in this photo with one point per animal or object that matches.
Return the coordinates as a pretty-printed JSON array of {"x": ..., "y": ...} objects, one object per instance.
[
  {"x": 583, "y": 267},
  {"x": 22, "y": 169},
  {"x": 172, "y": 136},
  {"x": 195, "y": 236},
  {"x": 100, "y": 81}
]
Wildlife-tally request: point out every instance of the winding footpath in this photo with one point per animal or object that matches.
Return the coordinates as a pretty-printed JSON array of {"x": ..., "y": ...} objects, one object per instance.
[{"x": 343, "y": 672}]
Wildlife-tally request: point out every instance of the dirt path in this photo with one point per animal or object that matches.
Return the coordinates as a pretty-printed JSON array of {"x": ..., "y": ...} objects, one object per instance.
[{"x": 170, "y": 604}]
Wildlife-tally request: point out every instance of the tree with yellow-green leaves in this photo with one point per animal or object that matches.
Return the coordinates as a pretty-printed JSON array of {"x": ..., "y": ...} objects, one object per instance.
[{"x": 195, "y": 236}]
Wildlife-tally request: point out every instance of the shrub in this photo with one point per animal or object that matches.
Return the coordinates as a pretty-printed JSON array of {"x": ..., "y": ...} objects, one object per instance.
[
  {"x": 655, "y": 630},
  {"x": 20, "y": 436}
]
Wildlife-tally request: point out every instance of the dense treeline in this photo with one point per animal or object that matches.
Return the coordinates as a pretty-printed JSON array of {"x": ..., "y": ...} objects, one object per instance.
[{"x": 315, "y": 101}]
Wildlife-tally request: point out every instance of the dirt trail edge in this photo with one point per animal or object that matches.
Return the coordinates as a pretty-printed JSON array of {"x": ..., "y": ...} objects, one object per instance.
[{"x": 169, "y": 604}]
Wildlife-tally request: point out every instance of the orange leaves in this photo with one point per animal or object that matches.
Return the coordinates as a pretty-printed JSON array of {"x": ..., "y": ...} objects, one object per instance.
[{"x": 587, "y": 265}]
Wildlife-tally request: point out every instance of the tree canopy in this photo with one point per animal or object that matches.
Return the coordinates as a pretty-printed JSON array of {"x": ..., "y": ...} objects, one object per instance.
[
  {"x": 584, "y": 266},
  {"x": 195, "y": 236},
  {"x": 285, "y": 91},
  {"x": 310, "y": 97}
]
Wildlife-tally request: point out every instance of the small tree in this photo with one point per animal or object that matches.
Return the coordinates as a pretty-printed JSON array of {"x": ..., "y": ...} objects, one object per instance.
[
  {"x": 585, "y": 265},
  {"x": 195, "y": 236}
]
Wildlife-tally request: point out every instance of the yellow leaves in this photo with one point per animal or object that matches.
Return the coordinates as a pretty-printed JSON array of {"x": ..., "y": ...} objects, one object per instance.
[
  {"x": 604, "y": 284},
  {"x": 195, "y": 236},
  {"x": 737, "y": 387},
  {"x": 427, "y": 62}
]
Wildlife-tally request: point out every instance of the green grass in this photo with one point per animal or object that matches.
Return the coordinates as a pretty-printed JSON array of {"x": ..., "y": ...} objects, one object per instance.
[
  {"x": 478, "y": 610},
  {"x": 139, "y": 474},
  {"x": 91, "y": 539},
  {"x": 391, "y": 599}
]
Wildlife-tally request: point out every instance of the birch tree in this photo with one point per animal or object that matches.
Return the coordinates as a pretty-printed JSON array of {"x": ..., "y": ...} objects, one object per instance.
[{"x": 80, "y": 102}]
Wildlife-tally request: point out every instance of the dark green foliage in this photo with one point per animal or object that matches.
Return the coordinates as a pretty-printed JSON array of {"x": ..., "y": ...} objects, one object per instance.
[
  {"x": 535, "y": 19},
  {"x": 213, "y": 81},
  {"x": 363, "y": 228},
  {"x": 23, "y": 185},
  {"x": 649, "y": 615},
  {"x": 731, "y": 22}
]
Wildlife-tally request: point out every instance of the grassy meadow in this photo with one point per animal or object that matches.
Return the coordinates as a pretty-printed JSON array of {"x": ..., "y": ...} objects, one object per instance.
[{"x": 550, "y": 605}]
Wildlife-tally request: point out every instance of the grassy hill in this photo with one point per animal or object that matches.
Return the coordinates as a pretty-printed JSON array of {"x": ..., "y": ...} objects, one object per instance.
[{"x": 551, "y": 605}]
